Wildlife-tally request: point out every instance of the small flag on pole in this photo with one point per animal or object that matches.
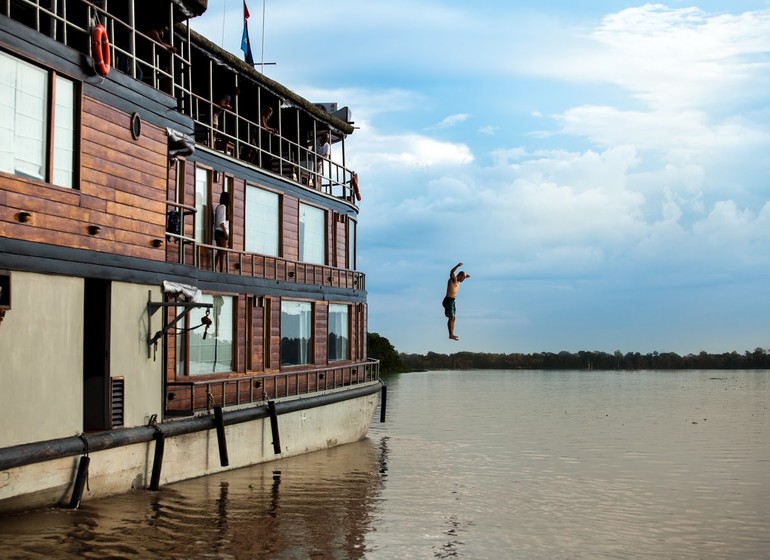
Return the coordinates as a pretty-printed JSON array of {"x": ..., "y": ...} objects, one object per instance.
[{"x": 245, "y": 43}]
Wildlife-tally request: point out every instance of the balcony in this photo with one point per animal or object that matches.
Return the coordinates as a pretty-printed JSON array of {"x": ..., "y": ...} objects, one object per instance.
[
  {"x": 185, "y": 249},
  {"x": 279, "y": 153}
]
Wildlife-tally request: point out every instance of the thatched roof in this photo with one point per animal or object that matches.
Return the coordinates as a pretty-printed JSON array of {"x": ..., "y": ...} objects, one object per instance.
[
  {"x": 193, "y": 7},
  {"x": 281, "y": 91}
]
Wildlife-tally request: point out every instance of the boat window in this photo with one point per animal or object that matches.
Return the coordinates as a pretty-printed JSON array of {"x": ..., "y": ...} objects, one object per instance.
[
  {"x": 214, "y": 352},
  {"x": 352, "y": 244},
  {"x": 338, "y": 339},
  {"x": 296, "y": 333},
  {"x": 27, "y": 105},
  {"x": 312, "y": 238},
  {"x": 262, "y": 221},
  {"x": 202, "y": 205}
]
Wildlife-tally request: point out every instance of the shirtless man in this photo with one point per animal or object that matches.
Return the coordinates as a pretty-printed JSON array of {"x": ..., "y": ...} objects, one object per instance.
[{"x": 452, "y": 285}]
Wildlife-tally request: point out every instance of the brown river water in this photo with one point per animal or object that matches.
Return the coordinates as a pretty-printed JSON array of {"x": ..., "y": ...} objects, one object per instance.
[{"x": 476, "y": 465}]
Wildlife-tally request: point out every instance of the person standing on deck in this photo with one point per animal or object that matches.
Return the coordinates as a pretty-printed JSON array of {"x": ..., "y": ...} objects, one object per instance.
[
  {"x": 324, "y": 152},
  {"x": 222, "y": 228},
  {"x": 452, "y": 286}
]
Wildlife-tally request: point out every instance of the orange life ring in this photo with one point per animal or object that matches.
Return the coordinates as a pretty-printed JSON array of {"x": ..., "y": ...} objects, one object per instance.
[
  {"x": 354, "y": 184},
  {"x": 101, "y": 44}
]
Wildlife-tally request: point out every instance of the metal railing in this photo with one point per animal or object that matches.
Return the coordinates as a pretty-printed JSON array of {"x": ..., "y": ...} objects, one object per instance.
[
  {"x": 248, "y": 141},
  {"x": 155, "y": 65},
  {"x": 187, "y": 397}
]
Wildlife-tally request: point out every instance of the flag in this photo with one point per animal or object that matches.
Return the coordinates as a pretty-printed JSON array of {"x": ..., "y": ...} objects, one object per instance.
[{"x": 245, "y": 43}]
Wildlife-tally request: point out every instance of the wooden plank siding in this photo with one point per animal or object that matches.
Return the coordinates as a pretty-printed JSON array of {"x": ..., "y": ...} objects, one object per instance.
[
  {"x": 121, "y": 190},
  {"x": 255, "y": 338},
  {"x": 290, "y": 228},
  {"x": 341, "y": 238},
  {"x": 238, "y": 213},
  {"x": 275, "y": 334},
  {"x": 321, "y": 332}
]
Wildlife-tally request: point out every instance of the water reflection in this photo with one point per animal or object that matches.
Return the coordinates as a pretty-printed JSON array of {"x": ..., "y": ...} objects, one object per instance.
[{"x": 309, "y": 506}]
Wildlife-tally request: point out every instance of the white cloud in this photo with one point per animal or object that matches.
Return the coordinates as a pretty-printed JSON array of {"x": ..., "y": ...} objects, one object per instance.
[
  {"x": 489, "y": 130},
  {"x": 452, "y": 120},
  {"x": 408, "y": 150}
]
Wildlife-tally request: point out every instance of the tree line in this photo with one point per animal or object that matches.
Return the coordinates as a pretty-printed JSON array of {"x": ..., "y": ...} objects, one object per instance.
[{"x": 392, "y": 361}]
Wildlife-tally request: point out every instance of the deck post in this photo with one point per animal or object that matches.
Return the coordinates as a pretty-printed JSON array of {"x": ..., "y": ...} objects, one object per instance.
[
  {"x": 221, "y": 438},
  {"x": 80, "y": 482},
  {"x": 274, "y": 427},
  {"x": 157, "y": 463}
]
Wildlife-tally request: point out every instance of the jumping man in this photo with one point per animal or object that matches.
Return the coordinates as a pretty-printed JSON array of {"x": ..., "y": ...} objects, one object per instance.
[{"x": 452, "y": 285}]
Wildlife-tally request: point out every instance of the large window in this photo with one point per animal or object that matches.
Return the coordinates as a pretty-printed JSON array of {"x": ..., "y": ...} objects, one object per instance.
[
  {"x": 312, "y": 238},
  {"x": 339, "y": 340},
  {"x": 37, "y": 119},
  {"x": 262, "y": 221},
  {"x": 296, "y": 333},
  {"x": 214, "y": 353}
]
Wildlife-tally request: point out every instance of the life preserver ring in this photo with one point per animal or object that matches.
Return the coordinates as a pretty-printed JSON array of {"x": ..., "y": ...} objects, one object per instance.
[
  {"x": 354, "y": 184},
  {"x": 101, "y": 46}
]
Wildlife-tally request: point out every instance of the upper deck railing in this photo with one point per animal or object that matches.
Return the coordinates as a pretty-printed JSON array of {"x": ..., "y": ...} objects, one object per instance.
[
  {"x": 250, "y": 142},
  {"x": 168, "y": 67}
]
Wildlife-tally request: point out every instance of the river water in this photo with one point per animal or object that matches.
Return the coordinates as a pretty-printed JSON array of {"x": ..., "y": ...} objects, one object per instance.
[{"x": 475, "y": 465}]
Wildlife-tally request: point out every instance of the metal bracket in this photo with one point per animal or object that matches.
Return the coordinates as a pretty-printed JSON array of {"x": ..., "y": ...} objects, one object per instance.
[{"x": 153, "y": 306}]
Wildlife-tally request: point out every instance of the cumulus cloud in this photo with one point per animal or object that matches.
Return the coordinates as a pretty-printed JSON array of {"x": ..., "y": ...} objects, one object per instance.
[{"x": 409, "y": 150}]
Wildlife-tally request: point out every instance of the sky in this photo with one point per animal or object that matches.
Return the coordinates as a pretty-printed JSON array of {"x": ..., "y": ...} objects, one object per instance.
[{"x": 600, "y": 168}]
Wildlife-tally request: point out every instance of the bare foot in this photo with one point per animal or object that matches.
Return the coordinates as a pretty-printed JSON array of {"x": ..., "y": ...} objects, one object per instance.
[{"x": 453, "y": 337}]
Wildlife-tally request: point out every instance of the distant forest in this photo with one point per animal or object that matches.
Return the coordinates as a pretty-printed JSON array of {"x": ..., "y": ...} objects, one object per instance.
[
  {"x": 393, "y": 361},
  {"x": 758, "y": 359}
]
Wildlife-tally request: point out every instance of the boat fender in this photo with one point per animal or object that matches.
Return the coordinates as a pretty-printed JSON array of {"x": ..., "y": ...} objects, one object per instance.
[
  {"x": 354, "y": 183},
  {"x": 101, "y": 50}
]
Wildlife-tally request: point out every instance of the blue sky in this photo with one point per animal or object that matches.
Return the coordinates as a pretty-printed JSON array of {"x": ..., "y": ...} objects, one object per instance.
[{"x": 602, "y": 169}]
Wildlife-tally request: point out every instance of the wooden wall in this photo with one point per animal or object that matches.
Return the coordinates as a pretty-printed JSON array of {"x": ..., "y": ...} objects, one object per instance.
[
  {"x": 321, "y": 332},
  {"x": 341, "y": 238},
  {"x": 122, "y": 191},
  {"x": 258, "y": 328},
  {"x": 290, "y": 242}
]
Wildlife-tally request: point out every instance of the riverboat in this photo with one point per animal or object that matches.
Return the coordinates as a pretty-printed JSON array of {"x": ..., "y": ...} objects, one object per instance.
[{"x": 138, "y": 347}]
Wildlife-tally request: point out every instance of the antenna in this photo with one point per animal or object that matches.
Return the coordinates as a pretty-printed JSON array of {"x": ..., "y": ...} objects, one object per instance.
[
  {"x": 262, "y": 61},
  {"x": 224, "y": 11}
]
